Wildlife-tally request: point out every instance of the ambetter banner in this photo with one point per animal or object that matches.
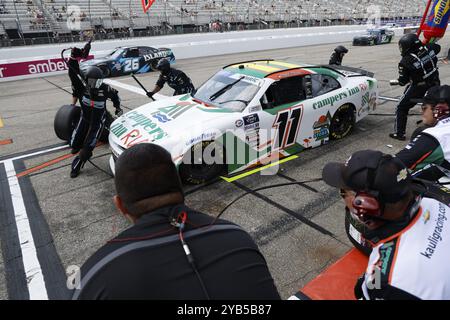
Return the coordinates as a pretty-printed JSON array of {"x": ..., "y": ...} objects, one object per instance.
[{"x": 17, "y": 69}]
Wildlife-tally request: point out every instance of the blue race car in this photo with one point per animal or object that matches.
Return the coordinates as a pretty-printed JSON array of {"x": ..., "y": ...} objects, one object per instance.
[
  {"x": 374, "y": 37},
  {"x": 129, "y": 60}
]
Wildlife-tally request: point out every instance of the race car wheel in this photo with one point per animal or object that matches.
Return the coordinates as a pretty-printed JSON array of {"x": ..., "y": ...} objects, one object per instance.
[
  {"x": 343, "y": 122},
  {"x": 195, "y": 170},
  {"x": 105, "y": 130},
  {"x": 153, "y": 64},
  {"x": 66, "y": 120},
  {"x": 352, "y": 229},
  {"x": 105, "y": 70}
]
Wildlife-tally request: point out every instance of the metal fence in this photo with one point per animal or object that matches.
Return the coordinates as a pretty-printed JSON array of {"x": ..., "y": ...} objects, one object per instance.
[
  {"x": 122, "y": 24},
  {"x": 51, "y": 38}
]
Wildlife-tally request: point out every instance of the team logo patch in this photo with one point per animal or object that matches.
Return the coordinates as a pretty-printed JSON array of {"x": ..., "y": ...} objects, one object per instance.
[
  {"x": 426, "y": 216},
  {"x": 402, "y": 175}
]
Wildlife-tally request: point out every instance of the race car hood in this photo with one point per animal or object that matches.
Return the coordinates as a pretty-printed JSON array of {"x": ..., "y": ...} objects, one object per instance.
[{"x": 167, "y": 120}]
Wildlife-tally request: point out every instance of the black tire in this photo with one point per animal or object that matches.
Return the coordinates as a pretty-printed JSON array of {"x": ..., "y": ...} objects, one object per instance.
[
  {"x": 105, "y": 70},
  {"x": 343, "y": 122},
  {"x": 105, "y": 131},
  {"x": 200, "y": 173},
  {"x": 66, "y": 120},
  {"x": 362, "y": 246},
  {"x": 153, "y": 64}
]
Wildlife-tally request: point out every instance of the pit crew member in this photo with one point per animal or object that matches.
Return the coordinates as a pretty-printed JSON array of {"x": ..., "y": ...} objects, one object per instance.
[
  {"x": 176, "y": 79},
  {"x": 74, "y": 70},
  {"x": 338, "y": 55},
  {"x": 93, "y": 112},
  {"x": 418, "y": 71},
  {"x": 431, "y": 146},
  {"x": 409, "y": 232}
]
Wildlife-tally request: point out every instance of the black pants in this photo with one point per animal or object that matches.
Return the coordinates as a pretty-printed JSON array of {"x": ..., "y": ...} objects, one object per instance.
[
  {"x": 77, "y": 89},
  {"x": 401, "y": 114},
  {"x": 88, "y": 130}
]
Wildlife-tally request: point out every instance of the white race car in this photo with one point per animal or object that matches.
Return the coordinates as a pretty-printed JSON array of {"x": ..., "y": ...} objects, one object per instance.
[{"x": 247, "y": 114}]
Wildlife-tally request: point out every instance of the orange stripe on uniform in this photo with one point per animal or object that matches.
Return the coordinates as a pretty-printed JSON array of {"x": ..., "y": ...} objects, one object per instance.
[{"x": 420, "y": 160}]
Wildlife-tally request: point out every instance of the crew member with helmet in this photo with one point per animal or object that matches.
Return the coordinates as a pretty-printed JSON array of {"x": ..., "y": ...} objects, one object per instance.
[
  {"x": 409, "y": 232},
  {"x": 432, "y": 145},
  {"x": 338, "y": 55},
  {"x": 93, "y": 113},
  {"x": 418, "y": 71},
  {"x": 176, "y": 79},
  {"x": 74, "y": 70}
]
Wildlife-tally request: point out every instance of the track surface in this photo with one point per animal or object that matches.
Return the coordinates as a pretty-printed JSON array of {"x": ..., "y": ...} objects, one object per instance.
[{"x": 70, "y": 219}]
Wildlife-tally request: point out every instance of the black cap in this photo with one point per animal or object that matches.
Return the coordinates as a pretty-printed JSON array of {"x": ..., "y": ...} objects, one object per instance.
[
  {"x": 435, "y": 95},
  {"x": 378, "y": 174}
]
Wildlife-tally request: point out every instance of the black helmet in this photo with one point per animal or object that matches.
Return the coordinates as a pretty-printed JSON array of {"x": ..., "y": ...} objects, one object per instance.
[
  {"x": 76, "y": 53},
  {"x": 341, "y": 49},
  {"x": 409, "y": 43},
  {"x": 163, "y": 65},
  {"x": 94, "y": 77}
]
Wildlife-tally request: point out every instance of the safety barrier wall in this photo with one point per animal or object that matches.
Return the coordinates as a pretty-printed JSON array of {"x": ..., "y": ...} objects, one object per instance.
[{"x": 37, "y": 61}]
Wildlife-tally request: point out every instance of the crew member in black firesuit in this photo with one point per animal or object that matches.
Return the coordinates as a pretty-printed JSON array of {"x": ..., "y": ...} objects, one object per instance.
[
  {"x": 93, "y": 112},
  {"x": 176, "y": 79},
  {"x": 419, "y": 71},
  {"x": 432, "y": 145},
  {"x": 74, "y": 70},
  {"x": 338, "y": 55}
]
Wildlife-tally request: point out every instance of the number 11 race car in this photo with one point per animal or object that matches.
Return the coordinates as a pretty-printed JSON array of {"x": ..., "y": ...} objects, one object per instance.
[
  {"x": 129, "y": 60},
  {"x": 247, "y": 114}
]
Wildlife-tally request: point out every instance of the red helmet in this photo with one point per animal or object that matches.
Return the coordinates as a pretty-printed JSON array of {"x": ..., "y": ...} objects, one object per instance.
[{"x": 441, "y": 111}]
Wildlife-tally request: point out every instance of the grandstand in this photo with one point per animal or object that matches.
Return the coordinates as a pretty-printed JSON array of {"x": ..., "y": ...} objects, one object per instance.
[{"x": 52, "y": 20}]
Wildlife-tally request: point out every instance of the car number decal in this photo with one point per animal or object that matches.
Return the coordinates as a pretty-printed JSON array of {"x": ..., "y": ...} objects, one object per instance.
[
  {"x": 131, "y": 65},
  {"x": 287, "y": 124}
]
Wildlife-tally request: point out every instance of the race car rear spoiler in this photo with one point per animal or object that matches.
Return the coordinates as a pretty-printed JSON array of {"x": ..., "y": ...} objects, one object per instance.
[{"x": 350, "y": 71}]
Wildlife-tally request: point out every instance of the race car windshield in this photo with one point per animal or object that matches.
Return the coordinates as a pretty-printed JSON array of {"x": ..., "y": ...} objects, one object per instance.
[
  {"x": 228, "y": 90},
  {"x": 115, "y": 54}
]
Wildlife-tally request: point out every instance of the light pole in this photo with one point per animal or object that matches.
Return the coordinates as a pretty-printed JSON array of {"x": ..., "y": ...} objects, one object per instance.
[
  {"x": 89, "y": 9},
  {"x": 131, "y": 19},
  {"x": 19, "y": 26},
  {"x": 110, "y": 15}
]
